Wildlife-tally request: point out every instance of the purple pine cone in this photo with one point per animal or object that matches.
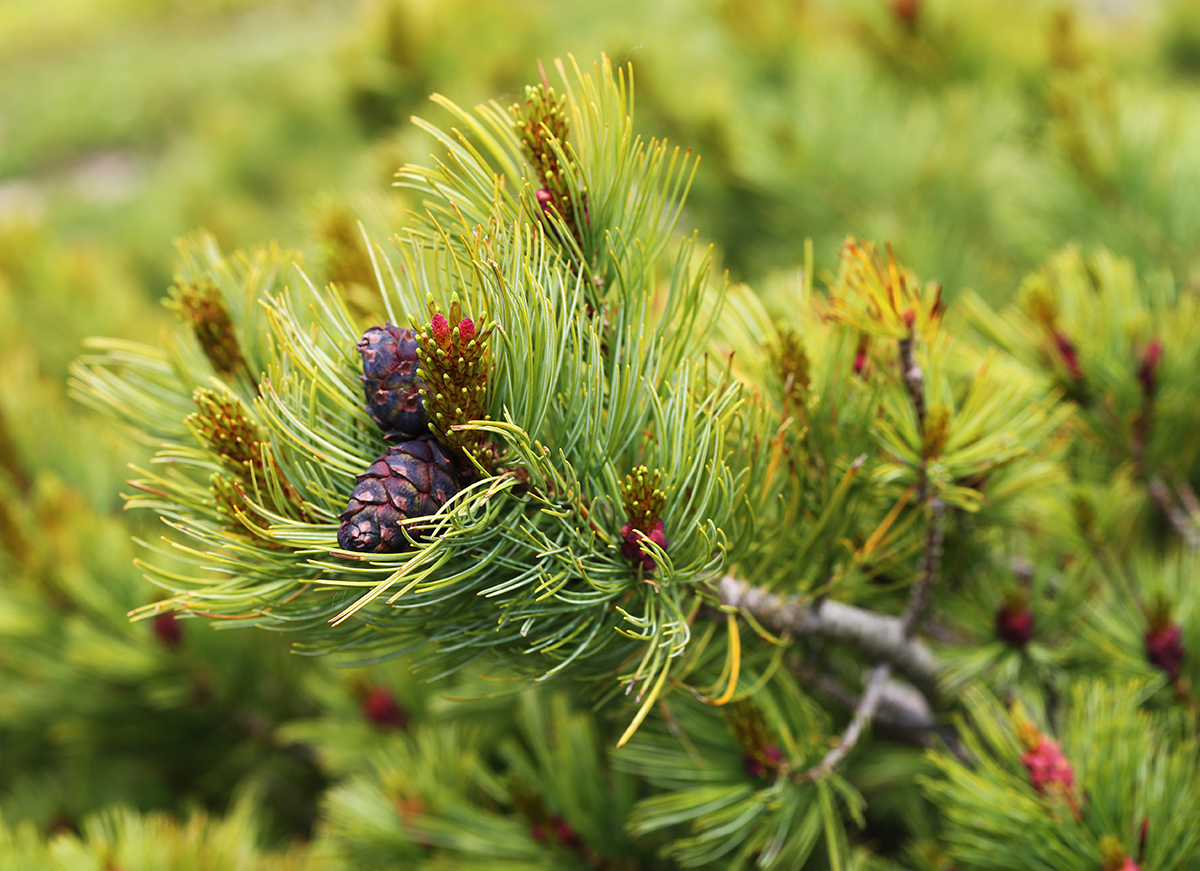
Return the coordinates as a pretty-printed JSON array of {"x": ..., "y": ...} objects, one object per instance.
[
  {"x": 413, "y": 479},
  {"x": 390, "y": 381}
]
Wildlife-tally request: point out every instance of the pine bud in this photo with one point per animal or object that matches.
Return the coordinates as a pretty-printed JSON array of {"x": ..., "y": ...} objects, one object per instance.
[
  {"x": 1148, "y": 371},
  {"x": 440, "y": 328},
  {"x": 761, "y": 757},
  {"x": 203, "y": 308},
  {"x": 1070, "y": 355},
  {"x": 223, "y": 424},
  {"x": 1114, "y": 857},
  {"x": 1048, "y": 766},
  {"x": 764, "y": 763},
  {"x": 167, "y": 628},
  {"x": 1014, "y": 622},
  {"x": 860, "y": 356},
  {"x": 541, "y": 123},
  {"x": 381, "y": 708},
  {"x": 1049, "y": 771},
  {"x": 632, "y": 545},
  {"x": 455, "y": 366},
  {"x": 566, "y": 835},
  {"x": 1164, "y": 648},
  {"x": 644, "y": 500},
  {"x": 466, "y": 330},
  {"x": 791, "y": 366},
  {"x": 937, "y": 430}
]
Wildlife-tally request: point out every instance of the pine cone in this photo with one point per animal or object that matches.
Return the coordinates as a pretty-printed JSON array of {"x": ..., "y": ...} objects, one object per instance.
[
  {"x": 390, "y": 381},
  {"x": 413, "y": 479}
]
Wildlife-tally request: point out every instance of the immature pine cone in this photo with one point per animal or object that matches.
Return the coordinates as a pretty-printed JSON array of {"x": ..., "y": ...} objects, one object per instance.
[
  {"x": 1014, "y": 623},
  {"x": 1164, "y": 648},
  {"x": 413, "y": 479},
  {"x": 390, "y": 380},
  {"x": 381, "y": 708},
  {"x": 1048, "y": 767},
  {"x": 631, "y": 546}
]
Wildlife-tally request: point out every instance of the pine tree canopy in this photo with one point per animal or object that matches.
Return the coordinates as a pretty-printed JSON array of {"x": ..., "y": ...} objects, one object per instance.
[{"x": 630, "y": 565}]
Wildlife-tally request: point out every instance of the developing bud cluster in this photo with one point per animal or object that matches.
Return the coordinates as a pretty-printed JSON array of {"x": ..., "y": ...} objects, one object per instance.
[
  {"x": 1164, "y": 641},
  {"x": 542, "y": 125},
  {"x": 455, "y": 372},
  {"x": 761, "y": 757},
  {"x": 644, "y": 500},
  {"x": 222, "y": 423},
  {"x": 1050, "y": 773},
  {"x": 1014, "y": 621},
  {"x": 202, "y": 307}
]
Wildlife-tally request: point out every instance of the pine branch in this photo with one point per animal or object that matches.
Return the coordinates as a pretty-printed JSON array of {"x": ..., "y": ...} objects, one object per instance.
[
  {"x": 863, "y": 714},
  {"x": 1188, "y": 497},
  {"x": 902, "y": 708},
  {"x": 914, "y": 379},
  {"x": 877, "y": 636},
  {"x": 1178, "y": 517},
  {"x": 931, "y": 560}
]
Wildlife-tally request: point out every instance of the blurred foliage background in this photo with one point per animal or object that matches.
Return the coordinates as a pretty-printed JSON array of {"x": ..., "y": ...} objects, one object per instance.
[{"x": 976, "y": 137}]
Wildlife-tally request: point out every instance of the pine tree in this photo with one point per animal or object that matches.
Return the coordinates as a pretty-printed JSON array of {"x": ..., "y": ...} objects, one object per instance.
[{"x": 725, "y": 580}]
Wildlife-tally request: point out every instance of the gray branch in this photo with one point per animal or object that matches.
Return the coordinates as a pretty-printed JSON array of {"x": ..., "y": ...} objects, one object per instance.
[
  {"x": 863, "y": 712},
  {"x": 879, "y": 637},
  {"x": 1178, "y": 516}
]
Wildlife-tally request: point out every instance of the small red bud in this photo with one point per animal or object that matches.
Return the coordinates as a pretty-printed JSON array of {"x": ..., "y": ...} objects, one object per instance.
[
  {"x": 545, "y": 198},
  {"x": 910, "y": 317},
  {"x": 440, "y": 328},
  {"x": 565, "y": 834},
  {"x": 382, "y": 709},
  {"x": 1047, "y": 766},
  {"x": 466, "y": 330},
  {"x": 632, "y": 546},
  {"x": 168, "y": 629},
  {"x": 1164, "y": 648},
  {"x": 1014, "y": 624},
  {"x": 1070, "y": 355},
  {"x": 1148, "y": 372},
  {"x": 860, "y": 362},
  {"x": 768, "y": 762}
]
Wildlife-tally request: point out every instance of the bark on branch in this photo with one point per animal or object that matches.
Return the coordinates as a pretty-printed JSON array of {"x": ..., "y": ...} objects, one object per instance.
[
  {"x": 878, "y": 637},
  {"x": 863, "y": 714}
]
